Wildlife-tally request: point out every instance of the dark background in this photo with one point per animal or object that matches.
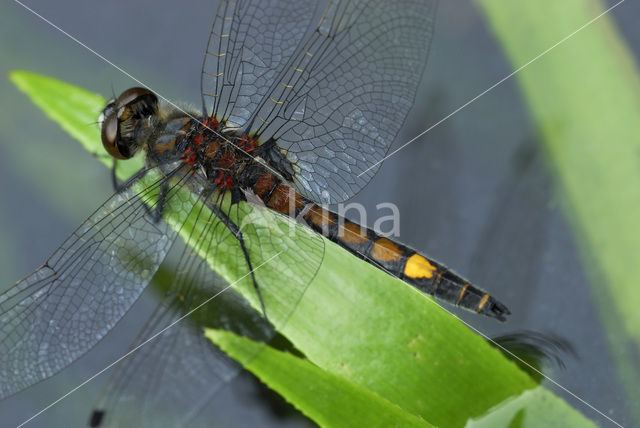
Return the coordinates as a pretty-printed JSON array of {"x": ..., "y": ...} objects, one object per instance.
[{"x": 473, "y": 193}]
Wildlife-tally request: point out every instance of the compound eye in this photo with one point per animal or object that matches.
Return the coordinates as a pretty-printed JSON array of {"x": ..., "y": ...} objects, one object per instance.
[
  {"x": 111, "y": 105},
  {"x": 109, "y": 135},
  {"x": 145, "y": 99}
]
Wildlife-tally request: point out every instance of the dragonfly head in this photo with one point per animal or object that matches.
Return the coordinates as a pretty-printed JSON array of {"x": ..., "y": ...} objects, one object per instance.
[{"x": 120, "y": 120}]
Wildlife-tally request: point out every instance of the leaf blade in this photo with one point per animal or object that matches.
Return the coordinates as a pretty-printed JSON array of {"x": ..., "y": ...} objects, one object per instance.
[{"x": 328, "y": 399}]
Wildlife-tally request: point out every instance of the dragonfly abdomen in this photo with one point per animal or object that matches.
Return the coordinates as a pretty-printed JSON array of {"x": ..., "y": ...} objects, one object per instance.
[{"x": 396, "y": 259}]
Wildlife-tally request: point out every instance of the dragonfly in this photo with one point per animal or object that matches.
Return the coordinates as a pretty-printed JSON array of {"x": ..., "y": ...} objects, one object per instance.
[{"x": 299, "y": 108}]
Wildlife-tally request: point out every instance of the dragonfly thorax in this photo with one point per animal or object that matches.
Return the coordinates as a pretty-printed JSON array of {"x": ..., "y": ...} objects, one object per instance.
[{"x": 227, "y": 157}]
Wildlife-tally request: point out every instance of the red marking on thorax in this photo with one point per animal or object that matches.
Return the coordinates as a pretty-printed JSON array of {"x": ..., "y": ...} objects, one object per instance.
[
  {"x": 248, "y": 144},
  {"x": 211, "y": 123},
  {"x": 189, "y": 156},
  {"x": 224, "y": 181},
  {"x": 225, "y": 163}
]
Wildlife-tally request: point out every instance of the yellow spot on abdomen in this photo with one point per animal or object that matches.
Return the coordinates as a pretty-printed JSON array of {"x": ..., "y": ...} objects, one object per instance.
[{"x": 419, "y": 267}]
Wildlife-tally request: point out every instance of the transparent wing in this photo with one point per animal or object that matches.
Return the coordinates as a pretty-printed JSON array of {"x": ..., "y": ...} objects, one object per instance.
[
  {"x": 334, "y": 102},
  {"x": 171, "y": 380},
  {"x": 60, "y": 311},
  {"x": 249, "y": 43}
]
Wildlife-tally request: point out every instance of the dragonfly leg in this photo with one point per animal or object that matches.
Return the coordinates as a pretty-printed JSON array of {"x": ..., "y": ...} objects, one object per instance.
[
  {"x": 120, "y": 187},
  {"x": 154, "y": 213},
  {"x": 114, "y": 176},
  {"x": 233, "y": 228}
]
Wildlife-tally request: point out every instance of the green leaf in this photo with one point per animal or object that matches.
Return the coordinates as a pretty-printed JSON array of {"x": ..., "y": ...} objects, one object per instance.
[
  {"x": 357, "y": 323},
  {"x": 585, "y": 98},
  {"x": 67, "y": 105},
  {"x": 328, "y": 399}
]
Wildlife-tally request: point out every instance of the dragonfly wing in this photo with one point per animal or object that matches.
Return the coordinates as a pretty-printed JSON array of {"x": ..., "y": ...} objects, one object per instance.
[
  {"x": 60, "y": 311},
  {"x": 333, "y": 94}
]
